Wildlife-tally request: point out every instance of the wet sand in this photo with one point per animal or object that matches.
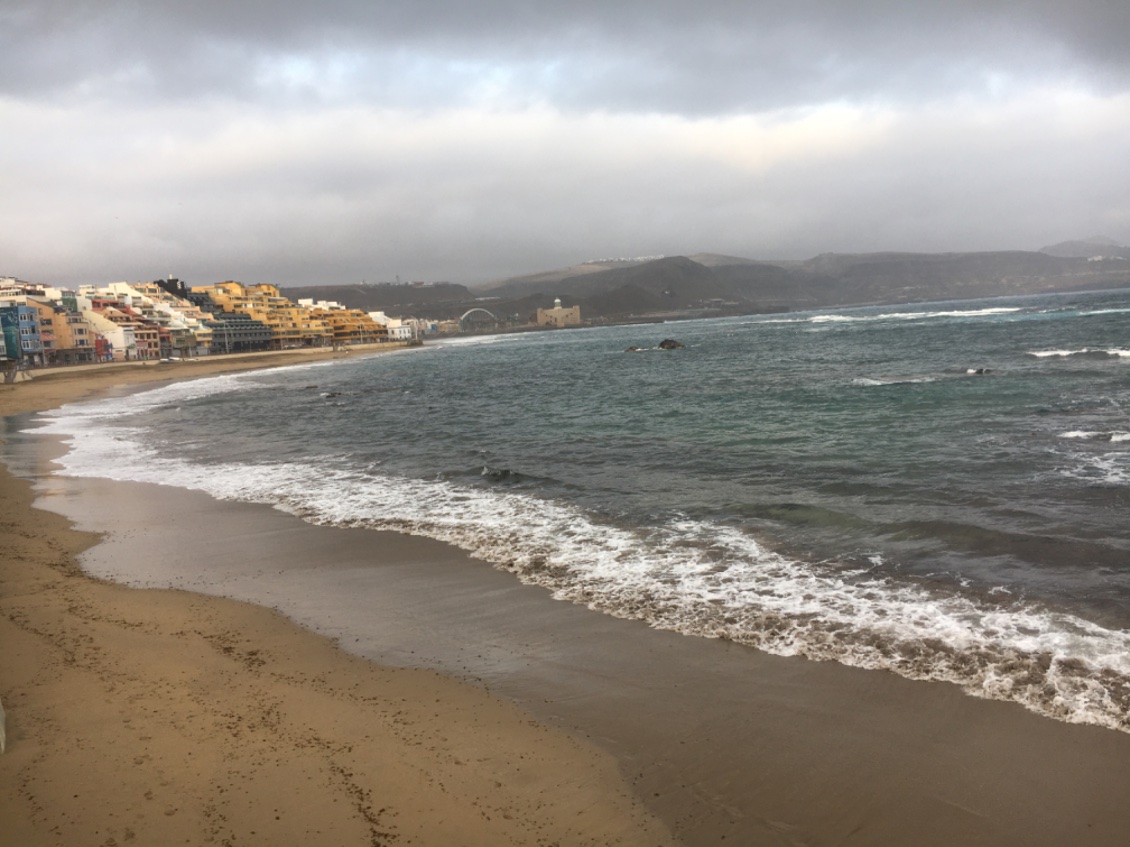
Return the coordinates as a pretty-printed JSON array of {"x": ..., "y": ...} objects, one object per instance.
[
  {"x": 725, "y": 744},
  {"x": 163, "y": 717},
  {"x": 52, "y": 387}
]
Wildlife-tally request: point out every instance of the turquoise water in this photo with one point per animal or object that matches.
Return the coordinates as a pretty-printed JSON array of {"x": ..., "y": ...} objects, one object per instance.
[{"x": 939, "y": 490}]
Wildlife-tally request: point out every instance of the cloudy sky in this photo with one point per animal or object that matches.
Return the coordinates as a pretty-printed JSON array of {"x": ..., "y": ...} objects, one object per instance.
[{"x": 470, "y": 140}]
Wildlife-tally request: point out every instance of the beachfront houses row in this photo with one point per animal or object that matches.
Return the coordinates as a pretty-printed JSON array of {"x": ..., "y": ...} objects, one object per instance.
[{"x": 44, "y": 326}]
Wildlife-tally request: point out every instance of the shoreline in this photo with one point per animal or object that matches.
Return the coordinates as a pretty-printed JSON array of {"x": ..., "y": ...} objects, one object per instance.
[
  {"x": 51, "y": 387},
  {"x": 163, "y": 716},
  {"x": 721, "y": 741}
]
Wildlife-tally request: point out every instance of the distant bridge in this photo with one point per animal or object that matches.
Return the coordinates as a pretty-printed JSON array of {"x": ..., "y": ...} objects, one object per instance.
[{"x": 469, "y": 312}]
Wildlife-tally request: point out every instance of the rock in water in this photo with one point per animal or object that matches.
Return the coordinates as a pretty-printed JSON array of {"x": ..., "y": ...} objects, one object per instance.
[{"x": 670, "y": 344}]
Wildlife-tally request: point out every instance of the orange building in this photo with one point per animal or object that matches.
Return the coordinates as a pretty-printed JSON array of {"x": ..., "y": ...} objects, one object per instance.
[{"x": 291, "y": 325}]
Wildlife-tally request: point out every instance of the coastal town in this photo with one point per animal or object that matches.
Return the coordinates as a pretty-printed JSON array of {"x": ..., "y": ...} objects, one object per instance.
[{"x": 45, "y": 326}]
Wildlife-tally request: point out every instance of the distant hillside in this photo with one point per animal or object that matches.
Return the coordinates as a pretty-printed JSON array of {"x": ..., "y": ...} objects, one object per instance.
[
  {"x": 397, "y": 300},
  {"x": 1088, "y": 248},
  {"x": 521, "y": 286},
  {"x": 714, "y": 260},
  {"x": 909, "y": 277},
  {"x": 677, "y": 281},
  {"x": 731, "y": 284},
  {"x": 711, "y": 284}
]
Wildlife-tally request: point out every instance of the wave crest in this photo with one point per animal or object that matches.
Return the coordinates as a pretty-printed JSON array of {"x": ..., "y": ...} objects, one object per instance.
[{"x": 693, "y": 577}]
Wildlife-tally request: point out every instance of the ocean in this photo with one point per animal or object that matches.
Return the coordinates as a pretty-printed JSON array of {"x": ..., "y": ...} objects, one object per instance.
[{"x": 938, "y": 490}]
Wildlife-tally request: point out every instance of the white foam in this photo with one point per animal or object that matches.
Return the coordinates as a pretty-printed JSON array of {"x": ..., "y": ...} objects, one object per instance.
[
  {"x": 470, "y": 340},
  {"x": 1110, "y": 351},
  {"x": 940, "y": 313},
  {"x": 915, "y": 316},
  {"x": 1113, "y": 437},
  {"x": 954, "y": 313},
  {"x": 1106, "y": 469},
  {"x": 689, "y": 576},
  {"x": 1105, "y": 312},
  {"x": 869, "y": 381}
]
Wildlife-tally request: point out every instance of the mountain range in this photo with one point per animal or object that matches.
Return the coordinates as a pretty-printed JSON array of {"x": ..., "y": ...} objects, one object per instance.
[{"x": 708, "y": 284}]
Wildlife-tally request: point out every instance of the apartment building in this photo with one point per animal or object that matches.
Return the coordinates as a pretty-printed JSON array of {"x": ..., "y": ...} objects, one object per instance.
[
  {"x": 19, "y": 325},
  {"x": 291, "y": 325}
]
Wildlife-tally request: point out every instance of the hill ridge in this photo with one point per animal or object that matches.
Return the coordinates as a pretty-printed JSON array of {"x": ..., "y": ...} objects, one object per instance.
[{"x": 680, "y": 286}]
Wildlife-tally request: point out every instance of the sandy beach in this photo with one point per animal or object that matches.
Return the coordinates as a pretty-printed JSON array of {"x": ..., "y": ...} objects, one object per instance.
[
  {"x": 474, "y": 710},
  {"x": 162, "y": 717}
]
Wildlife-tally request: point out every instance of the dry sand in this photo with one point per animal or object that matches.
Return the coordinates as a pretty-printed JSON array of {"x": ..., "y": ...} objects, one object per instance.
[{"x": 162, "y": 717}]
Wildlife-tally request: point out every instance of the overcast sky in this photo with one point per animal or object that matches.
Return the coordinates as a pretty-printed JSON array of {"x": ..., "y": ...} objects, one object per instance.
[{"x": 470, "y": 140}]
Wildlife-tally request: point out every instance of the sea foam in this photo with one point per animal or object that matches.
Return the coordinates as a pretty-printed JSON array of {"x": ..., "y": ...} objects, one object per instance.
[
  {"x": 694, "y": 577},
  {"x": 1113, "y": 352}
]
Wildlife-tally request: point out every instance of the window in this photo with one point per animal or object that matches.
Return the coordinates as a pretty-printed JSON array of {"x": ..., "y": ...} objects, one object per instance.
[
  {"x": 45, "y": 322},
  {"x": 27, "y": 345}
]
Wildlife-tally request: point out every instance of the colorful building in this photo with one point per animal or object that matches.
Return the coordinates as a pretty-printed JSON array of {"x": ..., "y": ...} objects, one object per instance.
[
  {"x": 232, "y": 332},
  {"x": 182, "y": 329},
  {"x": 291, "y": 325},
  {"x": 23, "y": 341},
  {"x": 68, "y": 338},
  {"x": 348, "y": 326}
]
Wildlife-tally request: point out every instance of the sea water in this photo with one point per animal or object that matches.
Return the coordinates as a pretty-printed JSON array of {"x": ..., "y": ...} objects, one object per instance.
[{"x": 936, "y": 490}]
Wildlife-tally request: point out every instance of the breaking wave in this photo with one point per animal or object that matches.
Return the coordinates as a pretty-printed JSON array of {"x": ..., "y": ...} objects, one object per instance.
[
  {"x": 1096, "y": 436},
  {"x": 694, "y": 577},
  {"x": 913, "y": 316},
  {"x": 865, "y": 381},
  {"x": 1086, "y": 351}
]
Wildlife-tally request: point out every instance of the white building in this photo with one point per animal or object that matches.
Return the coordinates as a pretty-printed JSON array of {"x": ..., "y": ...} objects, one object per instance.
[{"x": 398, "y": 330}]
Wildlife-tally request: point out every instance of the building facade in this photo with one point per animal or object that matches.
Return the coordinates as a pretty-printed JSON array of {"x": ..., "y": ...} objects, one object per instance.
[
  {"x": 559, "y": 316},
  {"x": 23, "y": 341}
]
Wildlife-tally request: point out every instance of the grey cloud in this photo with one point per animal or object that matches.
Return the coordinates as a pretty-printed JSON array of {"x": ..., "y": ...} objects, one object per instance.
[
  {"x": 338, "y": 201},
  {"x": 469, "y": 141},
  {"x": 707, "y": 57}
]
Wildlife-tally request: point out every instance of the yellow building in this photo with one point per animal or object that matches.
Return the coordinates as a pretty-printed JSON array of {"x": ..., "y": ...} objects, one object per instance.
[
  {"x": 291, "y": 325},
  {"x": 350, "y": 326},
  {"x": 67, "y": 337},
  {"x": 559, "y": 316}
]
